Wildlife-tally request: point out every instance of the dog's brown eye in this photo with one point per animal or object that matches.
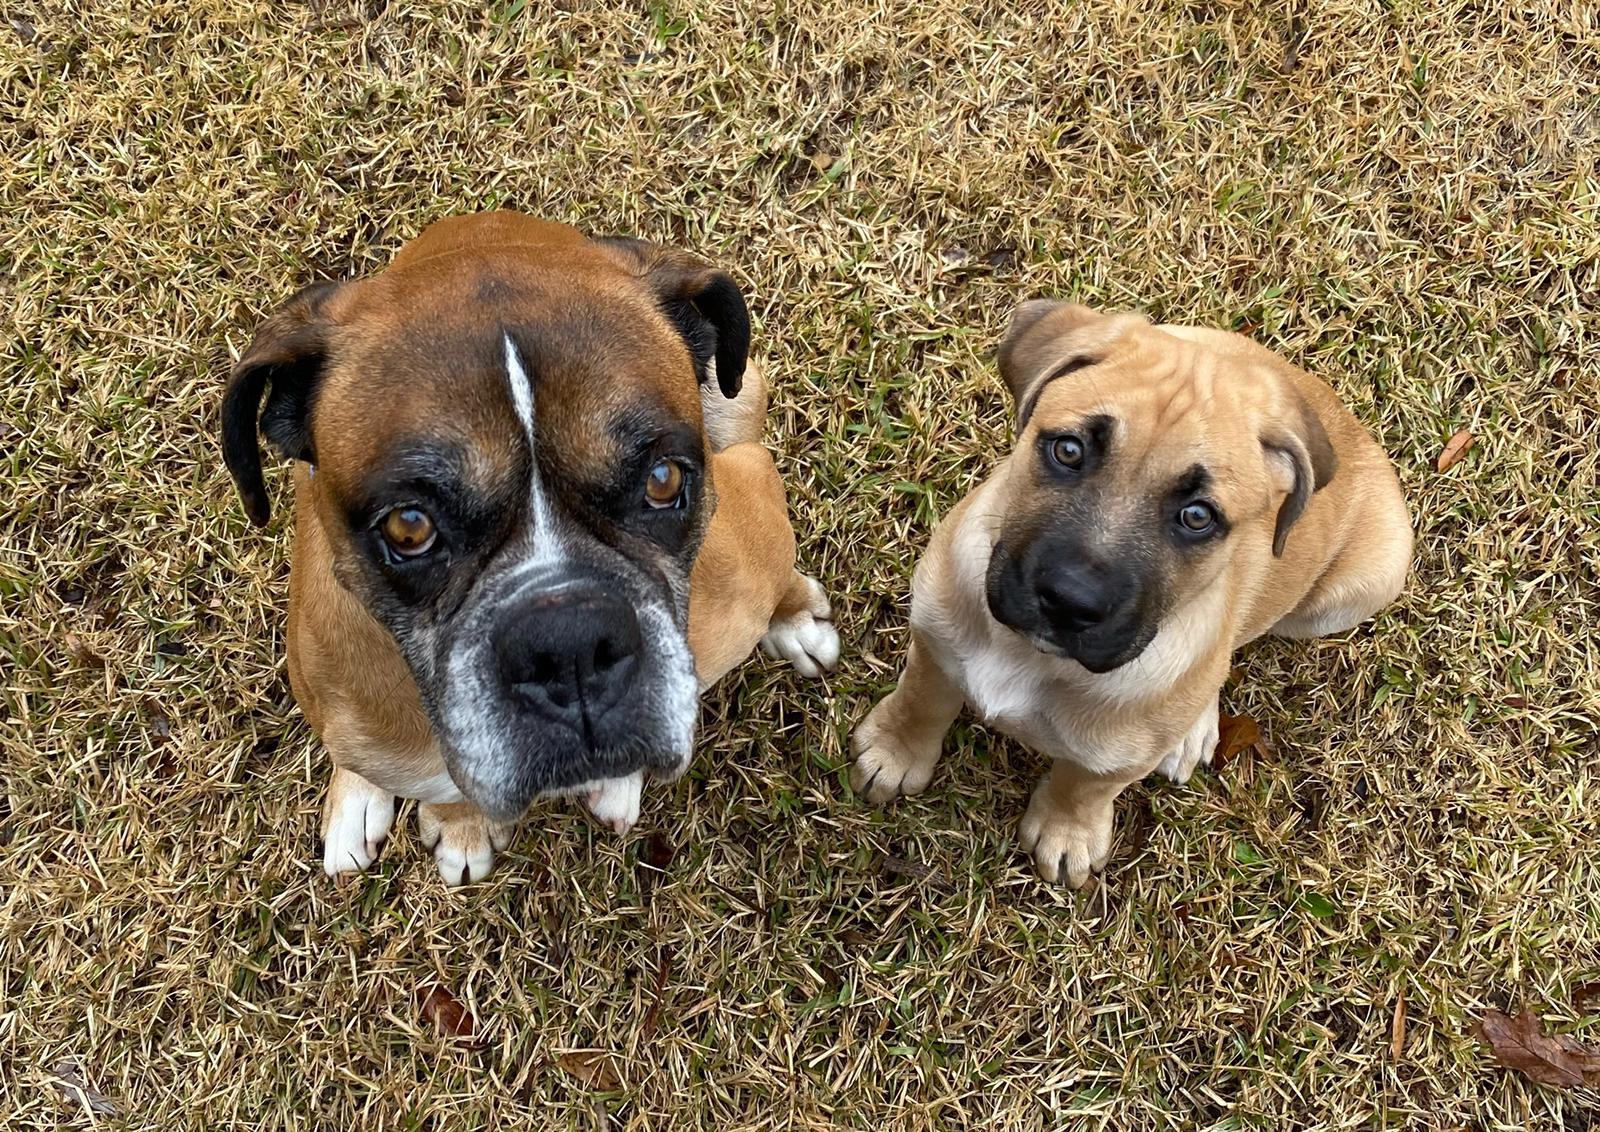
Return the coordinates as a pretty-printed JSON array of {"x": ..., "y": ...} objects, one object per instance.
[
  {"x": 663, "y": 487},
  {"x": 1067, "y": 451},
  {"x": 1197, "y": 517},
  {"x": 409, "y": 531}
]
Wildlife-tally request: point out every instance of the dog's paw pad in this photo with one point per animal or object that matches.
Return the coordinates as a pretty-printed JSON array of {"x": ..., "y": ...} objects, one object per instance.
[
  {"x": 615, "y": 802},
  {"x": 806, "y": 641},
  {"x": 805, "y": 638},
  {"x": 885, "y": 767},
  {"x": 1065, "y": 849},
  {"x": 355, "y": 830},
  {"x": 463, "y": 844}
]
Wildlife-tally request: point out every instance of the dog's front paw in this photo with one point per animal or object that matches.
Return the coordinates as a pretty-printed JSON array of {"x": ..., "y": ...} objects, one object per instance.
[
  {"x": 1193, "y": 749},
  {"x": 887, "y": 766},
  {"x": 1067, "y": 844},
  {"x": 463, "y": 841},
  {"x": 615, "y": 801},
  {"x": 356, "y": 819},
  {"x": 805, "y": 637}
]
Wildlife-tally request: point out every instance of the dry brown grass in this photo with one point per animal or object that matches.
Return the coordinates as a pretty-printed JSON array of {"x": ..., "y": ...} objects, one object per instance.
[{"x": 1402, "y": 197}]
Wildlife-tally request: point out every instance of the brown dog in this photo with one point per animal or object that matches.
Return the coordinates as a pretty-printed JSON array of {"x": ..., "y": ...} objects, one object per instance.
[
  {"x": 533, "y": 519},
  {"x": 1174, "y": 493}
]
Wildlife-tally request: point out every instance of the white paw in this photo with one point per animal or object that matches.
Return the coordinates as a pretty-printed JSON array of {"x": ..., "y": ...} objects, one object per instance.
[
  {"x": 1197, "y": 747},
  {"x": 1065, "y": 847},
  {"x": 807, "y": 638},
  {"x": 355, "y": 826},
  {"x": 615, "y": 801},
  {"x": 887, "y": 767},
  {"x": 463, "y": 841}
]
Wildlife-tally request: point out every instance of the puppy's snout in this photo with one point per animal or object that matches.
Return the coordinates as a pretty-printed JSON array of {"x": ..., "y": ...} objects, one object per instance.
[
  {"x": 1078, "y": 596},
  {"x": 569, "y": 657}
]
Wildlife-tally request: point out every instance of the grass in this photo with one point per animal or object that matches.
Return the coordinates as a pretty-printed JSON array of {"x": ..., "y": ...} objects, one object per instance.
[{"x": 1401, "y": 197}]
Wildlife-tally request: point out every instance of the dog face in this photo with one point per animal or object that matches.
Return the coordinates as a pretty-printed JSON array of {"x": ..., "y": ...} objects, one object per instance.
[
  {"x": 1146, "y": 465},
  {"x": 510, "y": 467}
]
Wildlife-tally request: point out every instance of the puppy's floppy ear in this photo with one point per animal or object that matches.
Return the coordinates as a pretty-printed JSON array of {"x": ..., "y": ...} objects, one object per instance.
[
  {"x": 284, "y": 362},
  {"x": 703, "y": 302},
  {"x": 1032, "y": 354},
  {"x": 1300, "y": 439}
]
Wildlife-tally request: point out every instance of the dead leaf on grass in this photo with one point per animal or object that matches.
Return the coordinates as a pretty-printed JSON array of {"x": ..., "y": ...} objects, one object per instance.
[
  {"x": 71, "y": 1085},
  {"x": 1397, "y": 1028},
  {"x": 1519, "y": 1042},
  {"x": 1235, "y": 733},
  {"x": 448, "y": 1014},
  {"x": 593, "y": 1067},
  {"x": 657, "y": 851},
  {"x": 1454, "y": 449}
]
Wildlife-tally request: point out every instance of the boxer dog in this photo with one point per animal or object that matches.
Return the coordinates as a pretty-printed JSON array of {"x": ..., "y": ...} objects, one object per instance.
[
  {"x": 533, "y": 519},
  {"x": 1174, "y": 492}
]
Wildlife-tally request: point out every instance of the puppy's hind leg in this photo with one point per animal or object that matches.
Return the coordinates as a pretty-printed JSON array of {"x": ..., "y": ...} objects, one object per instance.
[
  {"x": 1367, "y": 576},
  {"x": 898, "y": 744},
  {"x": 801, "y": 630},
  {"x": 1196, "y": 747},
  {"x": 356, "y": 818}
]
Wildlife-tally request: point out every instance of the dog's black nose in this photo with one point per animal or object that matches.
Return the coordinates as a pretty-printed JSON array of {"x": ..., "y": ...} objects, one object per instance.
[
  {"x": 1077, "y": 596},
  {"x": 569, "y": 656}
]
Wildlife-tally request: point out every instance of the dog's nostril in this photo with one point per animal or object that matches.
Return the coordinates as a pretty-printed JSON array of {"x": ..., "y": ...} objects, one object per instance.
[
  {"x": 545, "y": 669},
  {"x": 606, "y": 654},
  {"x": 1073, "y": 604}
]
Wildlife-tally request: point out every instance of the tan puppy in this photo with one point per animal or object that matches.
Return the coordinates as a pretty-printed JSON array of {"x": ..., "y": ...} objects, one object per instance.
[
  {"x": 1174, "y": 493},
  {"x": 532, "y": 520}
]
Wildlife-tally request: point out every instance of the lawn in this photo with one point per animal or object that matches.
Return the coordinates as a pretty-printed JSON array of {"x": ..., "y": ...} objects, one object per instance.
[{"x": 1400, "y": 197}]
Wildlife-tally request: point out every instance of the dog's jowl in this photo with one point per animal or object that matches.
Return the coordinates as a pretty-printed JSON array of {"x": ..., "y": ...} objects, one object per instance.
[
  {"x": 1173, "y": 493},
  {"x": 533, "y": 519}
]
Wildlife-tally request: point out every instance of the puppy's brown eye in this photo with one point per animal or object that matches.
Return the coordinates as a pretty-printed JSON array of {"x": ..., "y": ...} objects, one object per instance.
[
  {"x": 663, "y": 487},
  {"x": 409, "y": 531},
  {"x": 1197, "y": 517},
  {"x": 1067, "y": 452}
]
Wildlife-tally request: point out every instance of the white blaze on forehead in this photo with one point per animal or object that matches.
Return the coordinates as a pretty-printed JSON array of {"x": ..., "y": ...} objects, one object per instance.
[{"x": 521, "y": 386}]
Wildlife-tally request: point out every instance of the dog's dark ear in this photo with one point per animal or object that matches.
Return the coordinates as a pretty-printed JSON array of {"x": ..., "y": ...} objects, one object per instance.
[
  {"x": 1299, "y": 438},
  {"x": 703, "y": 302},
  {"x": 284, "y": 362},
  {"x": 1033, "y": 354}
]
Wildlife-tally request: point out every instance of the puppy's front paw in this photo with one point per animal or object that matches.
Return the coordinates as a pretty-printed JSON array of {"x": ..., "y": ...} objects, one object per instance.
[
  {"x": 462, "y": 839},
  {"x": 805, "y": 637},
  {"x": 615, "y": 801},
  {"x": 356, "y": 819},
  {"x": 1067, "y": 844},
  {"x": 1193, "y": 749},
  {"x": 887, "y": 766}
]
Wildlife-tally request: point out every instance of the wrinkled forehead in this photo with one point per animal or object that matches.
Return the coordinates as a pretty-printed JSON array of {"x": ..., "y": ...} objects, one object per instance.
[
  {"x": 1164, "y": 408},
  {"x": 586, "y": 365}
]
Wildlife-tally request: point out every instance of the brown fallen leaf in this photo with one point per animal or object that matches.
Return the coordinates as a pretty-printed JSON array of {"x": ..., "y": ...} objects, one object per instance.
[
  {"x": 657, "y": 852},
  {"x": 1235, "y": 733},
  {"x": 1454, "y": 449},
  {"x": 448, "y": 1014},
  {"x": 1519, "y": 1042},
  {"x": 593, "y": 1067},
  {"x": 72, "y": 1087},
  {"x": 83, "y": 652},
  {"x": 1397, "y": 1028}
]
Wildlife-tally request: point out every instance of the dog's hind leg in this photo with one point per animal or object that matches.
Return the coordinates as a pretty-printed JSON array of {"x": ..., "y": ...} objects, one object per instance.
[
  {"x": 1194, "y": 748},
  {"x": 1367, "y": 575},
  {"x": 801, "y": 630},
  {"x": 898, "y": 745}
]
